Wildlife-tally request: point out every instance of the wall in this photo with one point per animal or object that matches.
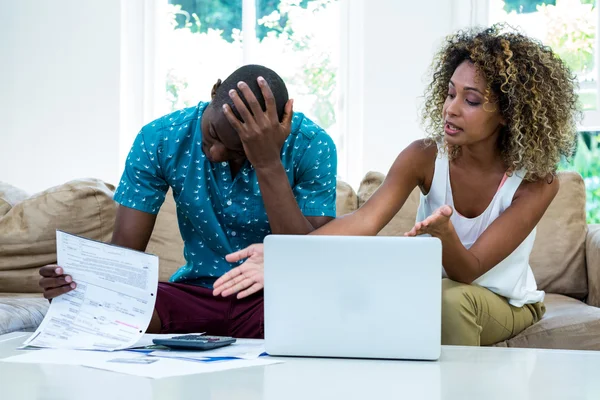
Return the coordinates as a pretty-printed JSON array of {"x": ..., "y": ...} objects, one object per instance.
[
  {"x": 398, "y": 42},
  {"x": 59, "y": 102}
]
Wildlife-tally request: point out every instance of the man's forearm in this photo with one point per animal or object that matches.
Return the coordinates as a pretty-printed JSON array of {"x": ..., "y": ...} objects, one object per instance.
[{"x": 282, "y": 209}]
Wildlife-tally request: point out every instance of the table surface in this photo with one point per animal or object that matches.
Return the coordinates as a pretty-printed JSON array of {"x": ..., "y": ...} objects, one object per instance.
[{"x": 461, "y": 373}]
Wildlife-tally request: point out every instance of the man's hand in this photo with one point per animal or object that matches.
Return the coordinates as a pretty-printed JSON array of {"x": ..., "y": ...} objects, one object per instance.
[
  {"x": 437, "y": 224},
  {"x": 261, "y": 132},
  {"x": 245, "y": 279},
  {"x": 54, "y": 282}
]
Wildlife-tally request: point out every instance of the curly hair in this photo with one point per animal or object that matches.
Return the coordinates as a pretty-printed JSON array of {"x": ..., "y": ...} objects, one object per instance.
[{"x": 535, "y": 90}]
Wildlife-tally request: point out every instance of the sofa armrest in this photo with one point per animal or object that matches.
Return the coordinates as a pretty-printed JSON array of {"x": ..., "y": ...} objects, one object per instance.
[{"x": 592, "y": 255}]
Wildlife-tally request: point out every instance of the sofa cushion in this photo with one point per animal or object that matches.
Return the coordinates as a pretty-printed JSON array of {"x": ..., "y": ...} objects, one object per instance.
[
  {"x": 21, "y": 313},
  {"x": 346, "y": 199},
  {"x": 28, "y": 231},
  {"x": 9, "y": 196},
  {"x": 568, "y": 324},
  {"x": 404, "y": 220},
  {"x": 558, "y": 256}
]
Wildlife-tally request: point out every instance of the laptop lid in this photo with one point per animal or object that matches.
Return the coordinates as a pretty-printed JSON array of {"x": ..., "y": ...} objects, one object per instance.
[{"x": 348, "y": 296}]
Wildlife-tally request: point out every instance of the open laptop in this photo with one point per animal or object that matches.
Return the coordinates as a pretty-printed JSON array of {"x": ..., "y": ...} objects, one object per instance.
[{"x": 356, "y": 297}]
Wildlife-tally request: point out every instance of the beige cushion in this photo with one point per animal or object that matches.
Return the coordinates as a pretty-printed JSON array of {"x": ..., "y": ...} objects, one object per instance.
[
  {"x": 166, "y": 241},
  {"x": 9, "y": 196},
  {"x": 404, "y": 220},
  {"x": 558, "y": 256},
  {"x": 21, "y": 313},
  {"x": 28, "y": 230},
  {"x": 568, "y": 324},
  {"x": 346, "y": 200}
]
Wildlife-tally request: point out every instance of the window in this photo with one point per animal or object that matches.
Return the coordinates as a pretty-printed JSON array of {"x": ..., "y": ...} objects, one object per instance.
[
  {"x": 300, "y": 39},
  {"x": 586, "y": 162},
  {"x": 570, "y": 28}
]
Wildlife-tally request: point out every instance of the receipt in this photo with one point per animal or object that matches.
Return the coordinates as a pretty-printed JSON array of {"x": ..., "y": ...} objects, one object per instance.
[{"x": 113, "y": 303}]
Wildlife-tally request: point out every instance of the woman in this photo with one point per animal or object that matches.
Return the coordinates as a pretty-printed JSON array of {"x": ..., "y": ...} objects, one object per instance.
[{"x": 500, "y": 111}]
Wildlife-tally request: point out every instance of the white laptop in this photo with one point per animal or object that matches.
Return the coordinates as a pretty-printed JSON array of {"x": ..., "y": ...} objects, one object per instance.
[{"x": 356, "y": 297}]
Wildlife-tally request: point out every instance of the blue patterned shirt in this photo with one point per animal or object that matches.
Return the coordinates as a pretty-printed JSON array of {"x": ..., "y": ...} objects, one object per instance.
[{"x": 218, "y": 215}]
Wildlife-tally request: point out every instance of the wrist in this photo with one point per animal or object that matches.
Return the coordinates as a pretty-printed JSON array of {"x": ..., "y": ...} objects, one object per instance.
[
  {"x": 268, "y": 166},
  {"x": 447, "y": 234}
]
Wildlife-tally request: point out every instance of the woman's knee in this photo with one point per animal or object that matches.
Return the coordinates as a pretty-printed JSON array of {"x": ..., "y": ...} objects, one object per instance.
[
  {"x": 459, "y": 325},
  {"x": 455, "y": 297}
]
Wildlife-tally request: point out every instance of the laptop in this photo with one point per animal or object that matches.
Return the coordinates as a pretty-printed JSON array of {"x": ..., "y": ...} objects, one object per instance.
[{"x": 355, "y": 297}]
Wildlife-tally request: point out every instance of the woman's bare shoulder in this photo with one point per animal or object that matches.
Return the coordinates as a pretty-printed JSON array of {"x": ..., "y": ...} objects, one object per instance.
[
  {"x": 545, "y": 188},
  {"x": 422, "y": 154}
]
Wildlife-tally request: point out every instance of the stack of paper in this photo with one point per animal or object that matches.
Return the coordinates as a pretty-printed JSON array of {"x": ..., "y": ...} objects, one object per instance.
[
  {"x": 132, "y": 363},
  {"x": 243, "y": 349}
]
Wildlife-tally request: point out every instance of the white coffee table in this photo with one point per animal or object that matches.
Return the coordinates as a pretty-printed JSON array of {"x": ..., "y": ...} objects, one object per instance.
[{"x": 461, "y": 373}]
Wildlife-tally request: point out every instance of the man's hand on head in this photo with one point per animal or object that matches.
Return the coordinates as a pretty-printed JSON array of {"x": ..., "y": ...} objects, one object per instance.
[
  {"x": 245, "y": 279},
  {"x": 261, "y": 133}
]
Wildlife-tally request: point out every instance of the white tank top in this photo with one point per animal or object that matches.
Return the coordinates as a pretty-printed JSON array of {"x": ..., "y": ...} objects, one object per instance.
[{"x": 512, "y": 277}]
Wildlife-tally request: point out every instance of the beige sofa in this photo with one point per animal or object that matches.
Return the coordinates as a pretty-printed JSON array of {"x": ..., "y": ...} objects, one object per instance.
[{"x": 565, "y": 260}]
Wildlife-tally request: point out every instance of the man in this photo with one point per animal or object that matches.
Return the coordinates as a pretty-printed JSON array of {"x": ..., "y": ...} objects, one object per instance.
[{"x": 240, "y": 167}]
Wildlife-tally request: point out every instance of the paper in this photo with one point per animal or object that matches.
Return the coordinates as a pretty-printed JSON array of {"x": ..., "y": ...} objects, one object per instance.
[
  {"x": 246, "y": 349},
  {"x": 68, "y": 357},
  {"x": 113, "y": 303},
  {"x": 168, "y": 367},
  {"x": 132, "y": 363}
]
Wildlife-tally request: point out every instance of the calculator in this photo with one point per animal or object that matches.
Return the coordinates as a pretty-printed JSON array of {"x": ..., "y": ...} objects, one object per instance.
[{"x": 195, "y": 342}]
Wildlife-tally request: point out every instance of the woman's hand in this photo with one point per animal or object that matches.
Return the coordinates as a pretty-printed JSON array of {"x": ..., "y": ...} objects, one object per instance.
[
  {"x": 437, "y": 224},
  {"x": 245, "y": 279}
]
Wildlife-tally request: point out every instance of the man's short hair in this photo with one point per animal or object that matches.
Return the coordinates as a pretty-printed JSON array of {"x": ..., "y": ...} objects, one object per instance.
[{"x": 249, "y": 75}]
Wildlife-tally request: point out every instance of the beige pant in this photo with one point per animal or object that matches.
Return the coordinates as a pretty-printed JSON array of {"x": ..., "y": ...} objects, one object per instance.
[{"x": 475, "y": 316}]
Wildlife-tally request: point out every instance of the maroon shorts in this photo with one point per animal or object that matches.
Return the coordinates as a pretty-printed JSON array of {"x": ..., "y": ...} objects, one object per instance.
[{"x": 184, "y": 308}]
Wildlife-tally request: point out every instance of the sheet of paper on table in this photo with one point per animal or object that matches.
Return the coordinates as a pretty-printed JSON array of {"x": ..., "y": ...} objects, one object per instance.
[
  {"x": 132, "y": 363},
  {"x": 113, "y": 303}
]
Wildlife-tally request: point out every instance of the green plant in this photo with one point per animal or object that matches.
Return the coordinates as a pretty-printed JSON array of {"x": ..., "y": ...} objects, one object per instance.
[
  {"x": 525, "y": 6},
  {"x": 587, "y": 163},
  {"x": 528, "y": 6},
  {"x": 225, "y": 15},
  {"x": 571, "y": 32}
]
